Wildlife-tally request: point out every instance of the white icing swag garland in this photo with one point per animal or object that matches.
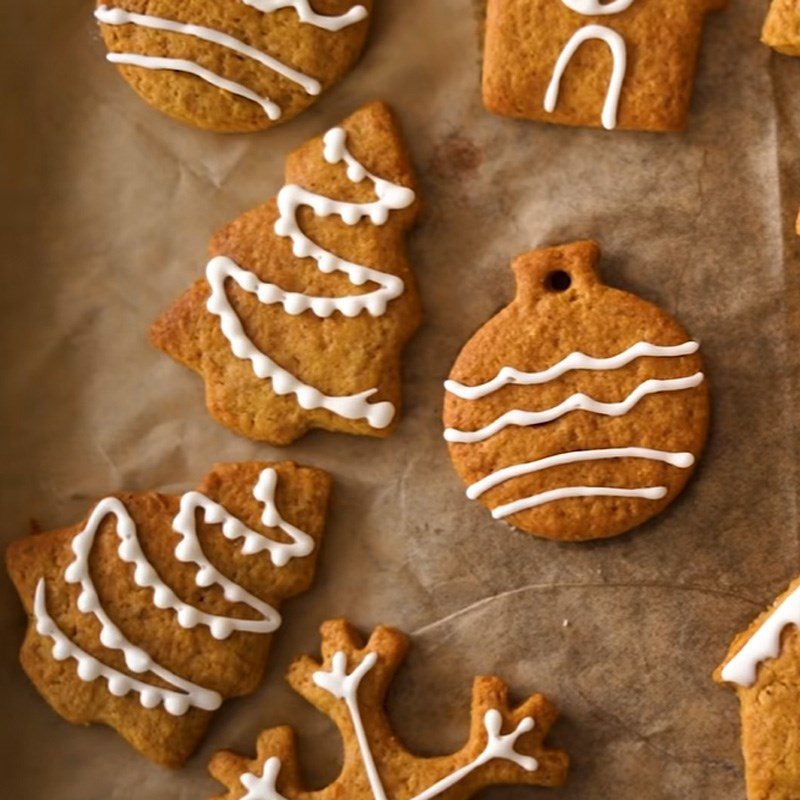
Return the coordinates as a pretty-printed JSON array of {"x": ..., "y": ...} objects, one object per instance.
[
  {"x": 119, "y": 16},
  {"x": 184, "y": 694},
  {"x": 390, "y": 197},
  {"x": 344, "y": 686}
]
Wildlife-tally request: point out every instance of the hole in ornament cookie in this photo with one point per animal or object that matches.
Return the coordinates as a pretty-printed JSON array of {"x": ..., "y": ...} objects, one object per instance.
[{"x": 558, "y": 281}]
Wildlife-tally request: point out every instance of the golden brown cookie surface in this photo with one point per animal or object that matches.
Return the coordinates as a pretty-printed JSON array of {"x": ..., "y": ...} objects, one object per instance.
[
  {"x": 505, "y": 746},
  {"x": 578, "y": 412},
  {"x": 309, "y": 299},
  {"x": 156, "y": 608},
  {"x": 621, "y": 64},
  {"x": 782, "y": 27},
  {"x": 233, "y": 65},
  {"x": 763, "y": 665}
]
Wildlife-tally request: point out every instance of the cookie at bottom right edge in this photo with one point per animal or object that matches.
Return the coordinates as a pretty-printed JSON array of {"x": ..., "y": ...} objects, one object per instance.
[
  {"x": 763, "y": 665},
  {"x": 580, "y": 410}
]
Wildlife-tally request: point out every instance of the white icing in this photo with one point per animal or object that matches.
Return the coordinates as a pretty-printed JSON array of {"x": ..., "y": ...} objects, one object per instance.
[
  {"x": 619, "y": 54},
  {"x": 344, "y": 686},
  {"x": 306, "y": 14},
  {"x": 577, "y": 402},
  {"x": 764, "y": 643},
  {"x": 90, "y": 669},
  {"x": 291, "y": 198},
  {"x": 263, "y": 787},
  {"x": 574, "y": 361},
  {"x": 681, "y": 460},
  {"x": 184, "y": 65},
  {"x": 594, "y": 7},
  {"x": 566, "y": 492},
  {"x": 118, "y": 16},
  {"x": 145, "y": 576}
]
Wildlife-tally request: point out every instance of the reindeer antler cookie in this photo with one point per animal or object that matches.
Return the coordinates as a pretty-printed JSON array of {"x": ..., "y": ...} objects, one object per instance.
[
  {"x": 156, "y": 608},
  {"x": 505, "y": 746}
]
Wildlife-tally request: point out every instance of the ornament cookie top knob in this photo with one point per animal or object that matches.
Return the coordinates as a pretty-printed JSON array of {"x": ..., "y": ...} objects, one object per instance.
[{"x": 579, "y": 411}]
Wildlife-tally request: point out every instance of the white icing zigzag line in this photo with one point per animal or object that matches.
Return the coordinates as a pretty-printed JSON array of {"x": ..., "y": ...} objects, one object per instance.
[
  {"x": 764, "y": 643},
  {"x": 574, "y": 361},
  {"x": 391, "y": 197},
  {"x": 577, "y": 402},
  {"x": 648, "y": 493},
  {"x": 118, "y": 16},
  {"x": 682, "y": 460},
  {"x": 619, "y": 54},
  {"x": 306, "y": 14},
  {"x": 119, "y": 684},
  {"x": 344, "y": 686}
]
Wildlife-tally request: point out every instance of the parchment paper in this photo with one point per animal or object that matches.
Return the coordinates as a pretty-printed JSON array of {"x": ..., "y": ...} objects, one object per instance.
[{"x": 107, "y": 210}]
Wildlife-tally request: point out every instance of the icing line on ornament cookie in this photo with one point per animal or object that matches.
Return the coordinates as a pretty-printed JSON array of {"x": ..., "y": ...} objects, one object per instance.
[
  {"x": 619, "y": 55},
  {"x": 765, "y": 643},
  {"x": 306, "y": 14},
  {"x": 648, "y": 493},
  {"x": 338, "y": 683},
  {"x": 182, "y": 65},
  {"x": 576, "y": 402},
  {"x": 574, "y": 361},
  {"x": 590, "y": 8},
  {"x": 118, "y": 16},
  {"x": 265, "y": 786},
  {"x": 681, "y": 460},
  {"x": 90, "y": 669}
]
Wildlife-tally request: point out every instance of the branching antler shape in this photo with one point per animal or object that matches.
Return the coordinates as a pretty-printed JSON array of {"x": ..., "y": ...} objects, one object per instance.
[{"x": 505, "y": 746}]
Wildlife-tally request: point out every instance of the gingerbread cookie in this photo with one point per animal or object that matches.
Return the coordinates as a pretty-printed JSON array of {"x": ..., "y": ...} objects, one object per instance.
[
  {"x": 506, "y": 745},
  {"x": 763, "y": 665},
  {"x": 233, "y": 65},
  {"x": 620, "y": 64},
  {"x": 156, "y": 608},
  {"x": 579, "y": 411},
  {"x": 782, "y": 27},
  {"x": 309, "y": 299}
]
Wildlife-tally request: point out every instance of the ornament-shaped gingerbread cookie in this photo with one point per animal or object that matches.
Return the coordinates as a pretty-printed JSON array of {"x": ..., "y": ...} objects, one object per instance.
[
  {"x": 156, "y": 608},
  {"x": 308, "y": 300},
  {"x": 506, "y": 744},
  {"x": 233, "y": 65},
  {"x": 617, "y": 63},
  {"x": 579, "y": 411}
]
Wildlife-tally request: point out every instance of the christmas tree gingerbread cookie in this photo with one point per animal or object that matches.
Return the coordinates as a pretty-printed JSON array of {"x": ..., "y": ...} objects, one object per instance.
[
  {"x": 617, "y": 63},
  {"x": 763, "y": 665},
  {"x": 308, "y": 300},
  {"x": 782, "y": 27},
  {"x": 233, "y": 65},
  {"x": 579, "y": 411},
  {"x": 505, "y": 746},
  {"x": 156, "y": 608}
]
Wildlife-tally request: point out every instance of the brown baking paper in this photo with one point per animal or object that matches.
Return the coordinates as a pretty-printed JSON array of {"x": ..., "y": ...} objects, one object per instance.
[{"x": 108, "y": 207}]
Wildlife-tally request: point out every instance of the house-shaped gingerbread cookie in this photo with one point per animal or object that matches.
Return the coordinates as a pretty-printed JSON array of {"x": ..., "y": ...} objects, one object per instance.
[
  {"x": 619, "y": 63},
  {"x": 763, "y": 665}
]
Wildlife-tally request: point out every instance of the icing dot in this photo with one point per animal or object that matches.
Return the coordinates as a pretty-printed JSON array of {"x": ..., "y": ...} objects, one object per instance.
[
  {"x": 188, "y": 617},
  {"x": 88, "y": 670},
  {"x": 119, "y": 685},
  {"x": 221, "y": 628},
  {"x": 150, "y": 697}
]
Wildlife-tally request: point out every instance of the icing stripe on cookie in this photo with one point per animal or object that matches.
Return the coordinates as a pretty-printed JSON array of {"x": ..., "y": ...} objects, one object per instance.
[
  {"x": 390, "y": 197},
  {"x": 566, "y": 492},
  {"x": 191, "y": 67},
  {"x": 591, "y": 8},
  {"x": 508, "y": 376},
  {"x": 306, "y": 14},
  {"x": 176, "y": 703},
  {"x": 765, "y": 643},
  {"x": 118, "y": 16},
  {"x": 577, "y": 402},
  {"x": 619, "y": 55},
  {"x": 682, "y": 460}
]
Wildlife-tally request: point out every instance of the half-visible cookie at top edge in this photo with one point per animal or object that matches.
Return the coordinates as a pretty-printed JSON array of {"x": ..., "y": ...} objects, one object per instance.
[
  {"x": 309, "y": 299},
  {"x": 626, "y": 64},
  {"x": 781, "y": 29},
  {"x": 233, "y": 65},
  {"x": 156, "y": 608},
  {"x": 763, "y": 666},
  {"x": 506, "y": 744},
  {"x": 579, "y": 411}
]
